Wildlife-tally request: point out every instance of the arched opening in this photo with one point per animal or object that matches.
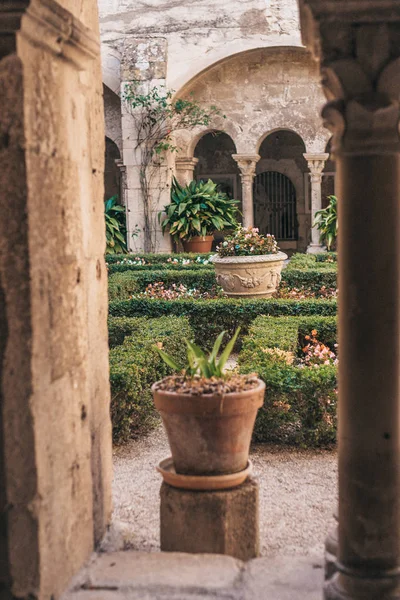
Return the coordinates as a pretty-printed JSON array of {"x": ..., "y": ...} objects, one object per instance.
[
  {"x": 328, "y": 177},
  {"x": 214, "y": 152},
  {"x": 112, "y": 177},
  {"x": 275, "y": 205},
  {"x": 279, "y": 189}
]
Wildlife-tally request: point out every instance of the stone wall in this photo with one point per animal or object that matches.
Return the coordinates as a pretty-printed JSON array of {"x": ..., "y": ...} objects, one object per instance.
[{"x": 55, "y": 429}]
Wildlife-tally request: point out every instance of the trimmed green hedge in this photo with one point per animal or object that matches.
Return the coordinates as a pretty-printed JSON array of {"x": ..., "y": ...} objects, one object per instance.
[
  {"x": 135, "y": 365},
  {"x": 300, "y": 403},
  {"x": 209, "y": 317},
  {"x": 123, "y": 285},
  {"x": 310, "y": 279},
  {"x": 314, "y": 262},
  {"x": 154, "y": 258}
]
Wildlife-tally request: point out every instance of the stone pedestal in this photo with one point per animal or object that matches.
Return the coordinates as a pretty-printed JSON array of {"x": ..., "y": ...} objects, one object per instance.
[{"x": 219, "y": 522}]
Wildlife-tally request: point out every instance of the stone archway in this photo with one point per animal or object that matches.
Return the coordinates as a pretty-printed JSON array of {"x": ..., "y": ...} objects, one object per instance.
[
  {"x": 214, "y": 154},
  {"x": 280, "y": 189}
]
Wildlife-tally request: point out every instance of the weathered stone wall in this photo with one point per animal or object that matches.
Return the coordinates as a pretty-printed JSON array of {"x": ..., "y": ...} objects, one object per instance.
[
  {"x": 177, "y": 40},
  {"x": 54, "y": 389}
]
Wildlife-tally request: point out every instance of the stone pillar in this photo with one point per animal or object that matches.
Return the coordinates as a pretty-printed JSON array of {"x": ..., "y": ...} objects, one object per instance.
[
  {"x": 247, "y": 165},
  {"x": 316, "y": 163},
  {"x": 184, "y": 169},
  {"x": 211, "y": 522},
  {"x": 55, "y": 430},
  {"x": 361, "y": 79}
]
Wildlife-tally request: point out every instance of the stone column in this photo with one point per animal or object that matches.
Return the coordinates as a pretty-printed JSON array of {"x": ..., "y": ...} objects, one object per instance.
[
  {"x": 55, "y": 429},
  {"x": 316, "y": 163},
  {"x": 184, "y": 169},
  {"x": 247, "y": 165},
  {"x": 361, "y": 79}
]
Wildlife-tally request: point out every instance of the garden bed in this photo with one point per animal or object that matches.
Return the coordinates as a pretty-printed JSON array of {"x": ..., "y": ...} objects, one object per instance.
[
  {"x": 209, "y": 317},
  {"x": 300, "y": 400}
]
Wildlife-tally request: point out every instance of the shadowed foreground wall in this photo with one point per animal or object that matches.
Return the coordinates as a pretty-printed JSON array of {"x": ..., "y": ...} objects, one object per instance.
[{"x": 55, "y": 455}]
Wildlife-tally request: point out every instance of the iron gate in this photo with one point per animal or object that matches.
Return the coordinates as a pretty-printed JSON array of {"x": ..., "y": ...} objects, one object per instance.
[{"x": 275, "y": 205}]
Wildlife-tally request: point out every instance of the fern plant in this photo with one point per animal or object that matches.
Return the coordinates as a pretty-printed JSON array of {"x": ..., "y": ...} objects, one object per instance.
[
  {"x": 198, "y": 363},
  {"x": 199, "y": 208},
  {"x": 115, "y": 219},
  {"x": 326, "y": 222}
]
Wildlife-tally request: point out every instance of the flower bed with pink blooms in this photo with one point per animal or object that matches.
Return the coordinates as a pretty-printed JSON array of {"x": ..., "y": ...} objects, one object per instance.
[{"x": 297, "y": 357}]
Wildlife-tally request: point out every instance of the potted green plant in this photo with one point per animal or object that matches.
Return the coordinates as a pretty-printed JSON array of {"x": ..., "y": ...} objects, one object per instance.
[
  {"x": 195, "y": 212},
  {"x": 249, "y": 264},
  {"x": 208, "y": 414},
  {"x": 115, "y": 219},
  {"x": 326, "y": 222}
]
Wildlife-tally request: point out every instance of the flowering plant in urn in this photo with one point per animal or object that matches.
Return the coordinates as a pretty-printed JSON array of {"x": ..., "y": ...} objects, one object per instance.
[
  {"x": 247, "y": 241},
  {"x": 249, "y": 264}
]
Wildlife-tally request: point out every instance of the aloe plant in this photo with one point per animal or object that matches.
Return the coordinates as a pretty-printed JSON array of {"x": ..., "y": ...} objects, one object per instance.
[
  {"x": 197, "y": 209},
  {"x": 199, "y": 363}
]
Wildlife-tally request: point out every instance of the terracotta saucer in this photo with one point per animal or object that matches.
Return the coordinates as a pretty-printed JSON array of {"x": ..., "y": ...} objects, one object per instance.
[{"x": 201, "y": 482}]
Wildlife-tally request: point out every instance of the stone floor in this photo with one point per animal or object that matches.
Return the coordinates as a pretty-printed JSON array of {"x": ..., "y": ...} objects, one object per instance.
[
  {"x": 297, "y": 497},
  {"x": 170, "y": 576}
]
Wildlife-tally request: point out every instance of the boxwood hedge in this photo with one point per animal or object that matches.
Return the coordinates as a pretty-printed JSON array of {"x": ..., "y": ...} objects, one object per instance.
[
  {"x": 209, "y": 317},
  {"x": 300, "y": 403},
  {"x": 135, "y": 365}
]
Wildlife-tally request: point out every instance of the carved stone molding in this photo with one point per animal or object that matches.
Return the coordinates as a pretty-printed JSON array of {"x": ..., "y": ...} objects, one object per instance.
[
  {"x": 358, "y": 45},
  {"x": 186, "y": 163},
  {"x": 47, "y": 24},
  {"x": 247, "y": 165},
  {"x": 316, "y": 164}
]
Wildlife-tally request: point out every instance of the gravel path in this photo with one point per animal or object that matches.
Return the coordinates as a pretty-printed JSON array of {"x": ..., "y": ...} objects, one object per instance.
[{"x": 298, "y": 491}]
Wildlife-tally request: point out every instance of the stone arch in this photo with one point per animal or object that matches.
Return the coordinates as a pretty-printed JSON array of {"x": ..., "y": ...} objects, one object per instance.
[
  {"x": 111, "y": 68},
  {"x": 261, "y": 90},
  {"x": 281, "y": 151},
  {"x": 195, "y": 69},
  {"x": 112, "y": 116}
]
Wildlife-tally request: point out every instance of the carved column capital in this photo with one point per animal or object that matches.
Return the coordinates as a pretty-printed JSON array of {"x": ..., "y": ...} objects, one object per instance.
[
  {"x": 185, "y": 163},
  {"x": 357, "y": 44},
  {"x": 247, "y": 165},
  {"x": 316, "y": 164}
]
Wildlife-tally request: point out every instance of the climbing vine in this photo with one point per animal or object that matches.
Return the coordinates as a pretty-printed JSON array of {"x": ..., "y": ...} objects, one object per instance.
[{"x": 157, "y": 115}]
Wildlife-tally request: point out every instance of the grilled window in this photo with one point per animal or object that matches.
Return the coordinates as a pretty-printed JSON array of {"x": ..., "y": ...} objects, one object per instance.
[{"x": 275, "y": 205}]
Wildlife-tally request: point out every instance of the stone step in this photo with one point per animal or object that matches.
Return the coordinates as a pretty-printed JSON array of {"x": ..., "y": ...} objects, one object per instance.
[{"x": 177, "y": 576}]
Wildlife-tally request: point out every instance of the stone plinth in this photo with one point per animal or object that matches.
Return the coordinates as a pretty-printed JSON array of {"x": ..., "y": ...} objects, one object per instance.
[{"x": 218, "y": 522}]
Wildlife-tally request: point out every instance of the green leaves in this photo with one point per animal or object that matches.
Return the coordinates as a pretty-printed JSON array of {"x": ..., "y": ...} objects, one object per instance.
[
  {"x": 115, "y": 227},
  {"x": 198, "y": 363},
  {"x": 197, "y": 209},
  {"x": 326, "y": 222}
]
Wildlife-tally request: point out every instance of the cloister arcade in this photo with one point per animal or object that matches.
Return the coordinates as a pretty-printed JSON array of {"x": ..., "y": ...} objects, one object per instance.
[{"x": 269, "y": 150}]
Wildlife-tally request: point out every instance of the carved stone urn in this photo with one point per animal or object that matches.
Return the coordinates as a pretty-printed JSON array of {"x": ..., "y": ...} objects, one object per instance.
[{"x": 249, "y": 276}]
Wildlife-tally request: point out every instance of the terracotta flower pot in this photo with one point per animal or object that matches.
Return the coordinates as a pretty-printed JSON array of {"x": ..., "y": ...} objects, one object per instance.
[
  {"x": 209, "y": 434},
  {"x": 249, "y": 276},
  {"x": 199, "y": 244}
]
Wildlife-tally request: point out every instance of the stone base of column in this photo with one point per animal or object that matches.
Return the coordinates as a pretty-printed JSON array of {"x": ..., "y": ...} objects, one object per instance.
[
  {"x": 315, "y": 249},
  {"x": 331, "y": 548},
  {"x": 347, "y": 587},
  {"x": 219, "y": 522}
]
